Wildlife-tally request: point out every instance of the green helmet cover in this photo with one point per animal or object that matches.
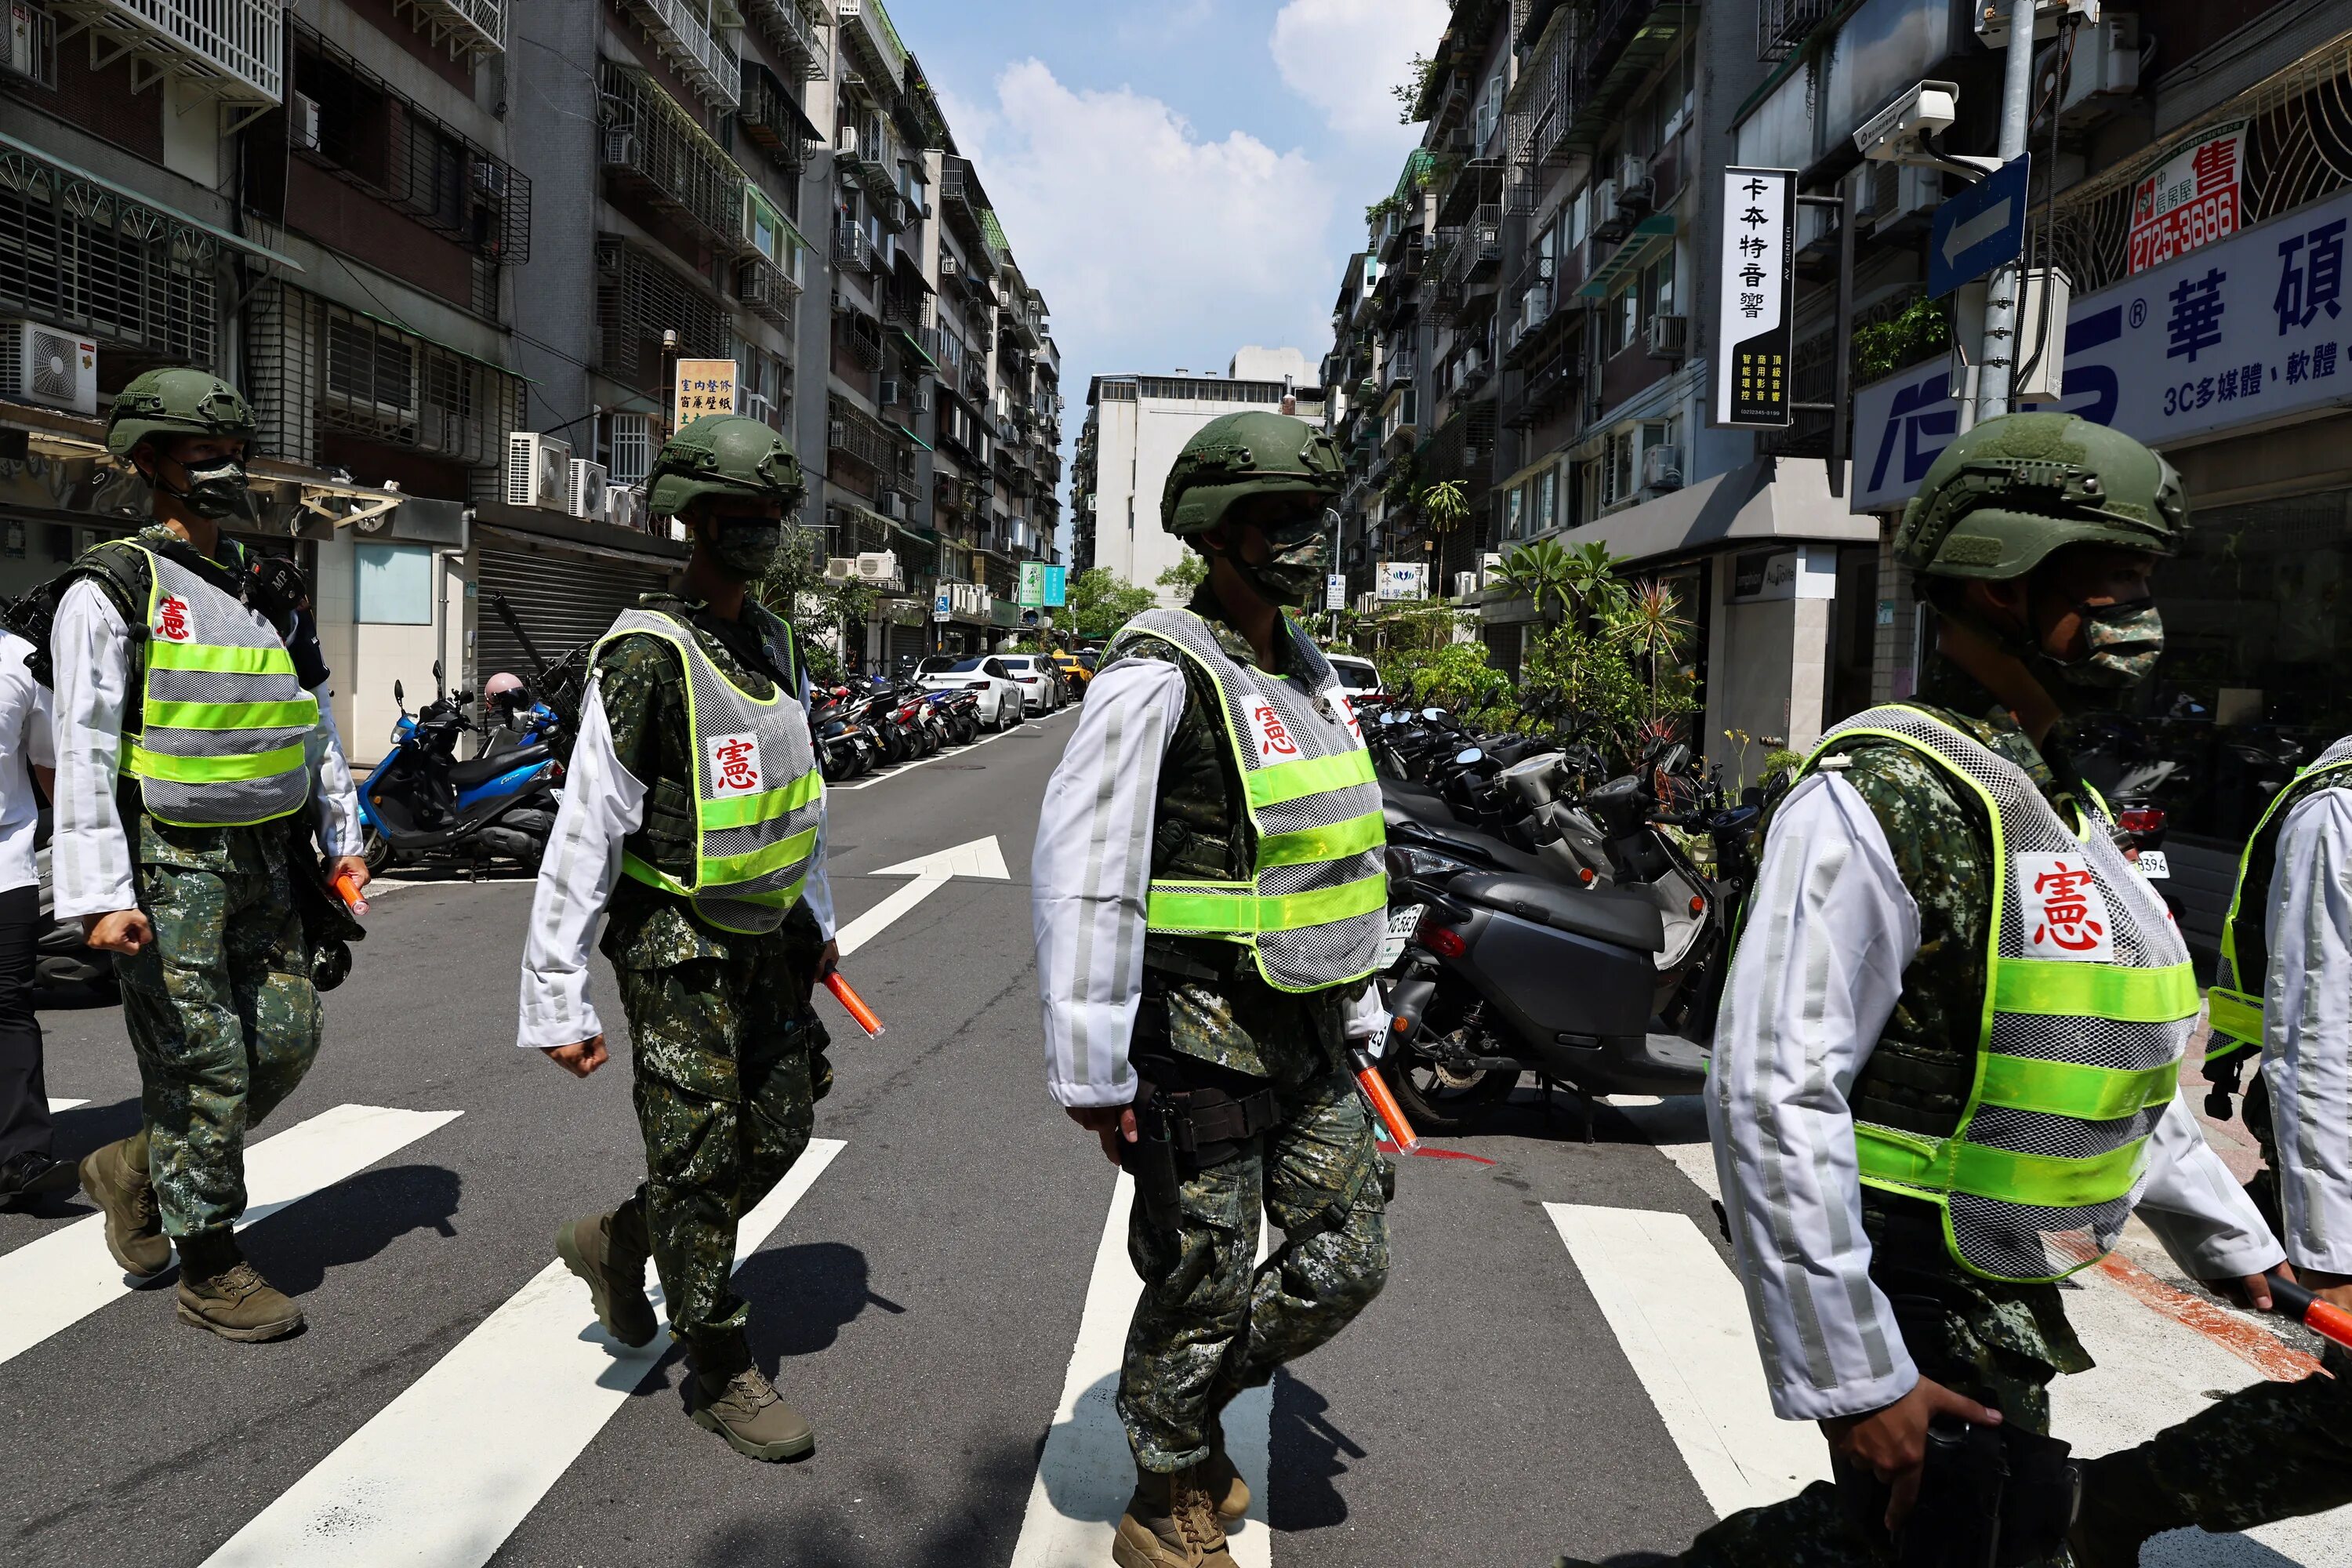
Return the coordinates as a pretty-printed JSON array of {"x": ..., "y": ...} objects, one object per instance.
[
  {"x": 175, "y": 401},
  {"x": 2012, "y": 489},
  {"x": 1238, "y": 454},
  {"x": 723, "y": 455}
]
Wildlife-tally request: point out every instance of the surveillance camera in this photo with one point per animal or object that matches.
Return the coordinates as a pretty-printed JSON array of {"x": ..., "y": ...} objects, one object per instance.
[{"x": 1903, "y": 125}]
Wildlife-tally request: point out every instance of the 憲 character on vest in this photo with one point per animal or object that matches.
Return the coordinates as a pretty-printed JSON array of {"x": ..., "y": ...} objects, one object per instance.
[
  {"x": 1209, "y": 901},
  {"x": 695, "y": 812},
  {"x": 1946, "y": 1068},
  {"x": 189, "y": 737}
]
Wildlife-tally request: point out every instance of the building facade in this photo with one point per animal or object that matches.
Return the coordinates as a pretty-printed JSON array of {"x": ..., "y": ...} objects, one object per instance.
[
  {"x": 1134, "y": 426},
  {"x": 415, "y": 231}
]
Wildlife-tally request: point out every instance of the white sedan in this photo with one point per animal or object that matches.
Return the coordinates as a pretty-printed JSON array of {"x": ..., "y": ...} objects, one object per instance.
[
  {"x": 1041, "y": 683},
  {"x": 1001, "y": 697},
  {"x": 1358, "y": 677}
]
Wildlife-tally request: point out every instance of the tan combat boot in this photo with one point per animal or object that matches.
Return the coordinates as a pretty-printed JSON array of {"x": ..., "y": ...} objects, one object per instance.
[
  {"x": 1228, "y": 1493},
  {"x": 1170, "y": 1523},
  {"x": 219, "y": 1291},
  {"x": 747, "y": 1411},
  {"x": 608, "y": 1251},
  {"x": 134, "y": 1225}
]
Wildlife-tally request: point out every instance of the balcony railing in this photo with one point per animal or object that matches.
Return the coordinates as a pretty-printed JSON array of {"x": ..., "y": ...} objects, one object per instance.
[
  {"x": 638, "y": 297},
  {"x": 1400, "y": 368},
  {"x": 975, "y": 378},
  {"x": 1621, "y": 43},
  {"x": 688, "y": 43},
  {"x": 863, "y": 148},
  {"x": 235, "y": 48},
  {"x": 654, "y": 148},
  {"x": 792, "y": 29},
  {"x": 770, "y": 118},
  {"x": 1781, "y": 26},
  {"x": 851, "y": 248},
  {"x": 465, "y": 27},
  {"x": 867, "y": 32},
  {"x": 765, "y": 291}
]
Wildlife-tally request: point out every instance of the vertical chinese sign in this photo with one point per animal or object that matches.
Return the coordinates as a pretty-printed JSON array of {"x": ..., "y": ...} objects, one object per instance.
[
  {"x": 2194, "y": 197},
  {"x": 704, "y": 386},
  {"x": 1754, "y": 294}
]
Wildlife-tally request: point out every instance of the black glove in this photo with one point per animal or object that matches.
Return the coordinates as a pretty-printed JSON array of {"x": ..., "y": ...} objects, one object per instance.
[
  {"x": 277, "y": 587},
  {"x": 310, "y": 659}
]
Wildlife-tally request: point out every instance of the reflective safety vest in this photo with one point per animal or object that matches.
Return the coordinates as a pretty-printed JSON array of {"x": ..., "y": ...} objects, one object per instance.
[
  {"x": 1315, "y": 905},
  {"x": 2234, "y": 1004},
  {"x": 758, "y": 795},
  {"x": 2089, "y": 1004},
  {"x": 222, "y": 718}
]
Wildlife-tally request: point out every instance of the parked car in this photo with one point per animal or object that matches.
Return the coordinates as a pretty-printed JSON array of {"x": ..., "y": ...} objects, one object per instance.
[
  {"x": 1001, "y": 696},
  {"x": 1041, "y": 686},
  {"x": 1358, "y": 677},
  {"x": 1075, "y": 672}
]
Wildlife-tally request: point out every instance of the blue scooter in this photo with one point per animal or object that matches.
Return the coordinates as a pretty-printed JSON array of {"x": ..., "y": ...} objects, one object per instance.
[{"x": 421, "y": 800}]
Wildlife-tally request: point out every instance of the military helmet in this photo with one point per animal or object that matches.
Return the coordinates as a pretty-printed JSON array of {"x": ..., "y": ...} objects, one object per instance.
[
  {"x": 176, "y": 402},
  {"x": 1238, "y": 454},
  {"x": 2014, "y": 489},
  {"x": 723, "y": 455}
]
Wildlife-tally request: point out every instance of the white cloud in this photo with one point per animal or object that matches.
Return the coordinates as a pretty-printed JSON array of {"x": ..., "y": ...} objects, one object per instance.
[
  {"x": 1153, "y": 245},
  {"x": 1344, "y": 56}
]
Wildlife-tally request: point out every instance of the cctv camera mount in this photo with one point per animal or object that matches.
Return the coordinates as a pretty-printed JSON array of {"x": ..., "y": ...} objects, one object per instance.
[{"x": 1900, "y": 131}]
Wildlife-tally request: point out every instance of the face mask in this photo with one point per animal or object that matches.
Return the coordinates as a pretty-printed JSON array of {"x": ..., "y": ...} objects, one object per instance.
[
  {"x": 215, "y": 489},
  {"x": 745, "y": 547},
  {"x": 2122, "y": 643},
  {"x": 1294, "y": 569}
]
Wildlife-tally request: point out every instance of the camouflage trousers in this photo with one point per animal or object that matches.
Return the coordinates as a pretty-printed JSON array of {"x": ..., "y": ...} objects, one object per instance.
[
  {"x": 724, "y": 1048},
  {"x": 222, "y": 1018},
  {"x": 1213, "y": 1321},
  {"x": 2273, "y": 1450}
]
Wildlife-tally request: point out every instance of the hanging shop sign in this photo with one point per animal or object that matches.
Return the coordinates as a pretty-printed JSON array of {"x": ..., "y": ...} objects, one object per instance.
[{"x": 1753, "y": 292}]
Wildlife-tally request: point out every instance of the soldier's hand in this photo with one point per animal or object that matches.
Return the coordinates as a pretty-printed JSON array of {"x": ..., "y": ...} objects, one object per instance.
[
  {"x": 1111, "y": 1125},
  {"x": 1892, "y": 1442},
  {"x": 2251, "y": 1291},
  {"x": 579, "y": 1058},
  {"x": 352, "y": 866},
  {"x": 124, "y": 930}
]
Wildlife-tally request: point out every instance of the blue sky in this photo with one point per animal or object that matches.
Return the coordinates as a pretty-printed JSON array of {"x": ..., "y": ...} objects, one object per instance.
[{"x": 1179, "y": 177}]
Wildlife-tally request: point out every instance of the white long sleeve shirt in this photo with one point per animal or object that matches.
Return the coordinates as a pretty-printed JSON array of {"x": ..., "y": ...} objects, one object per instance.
[
  {"x": 90, "y": 854},
  {"x": 25, "y": 743},
  {"x": 1090, "y": 876},
  {"x": 2308, "y": 1029},
  {"x": 603, "y": 803},
  {"x": 1818, "y": 972}
]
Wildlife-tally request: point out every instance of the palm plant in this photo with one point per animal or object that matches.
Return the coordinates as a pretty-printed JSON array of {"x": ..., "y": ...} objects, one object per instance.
[
  {"x": 1592, "y": 579},
  {"x": 1544, "y": 573},
  {"x": 1447, "y": 503},
  {"x": 1650, "y": 618}
]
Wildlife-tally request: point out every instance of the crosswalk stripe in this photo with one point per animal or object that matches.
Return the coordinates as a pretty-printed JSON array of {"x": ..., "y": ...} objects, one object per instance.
[
  {"x": 51, "y": 1283},
  {"x": 1085, "y": 1473},
  {"x": 1691, "y": 1348},
  {"x": 58, "y": 1105},
  {"x": 445, "y": 1473}
]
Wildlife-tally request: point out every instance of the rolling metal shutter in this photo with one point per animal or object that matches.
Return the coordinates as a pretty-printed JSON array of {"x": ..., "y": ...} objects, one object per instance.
[{"x": 562, "y": 600}]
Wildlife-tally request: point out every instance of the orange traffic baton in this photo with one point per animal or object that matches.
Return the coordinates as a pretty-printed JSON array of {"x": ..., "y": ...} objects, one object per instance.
[
  {"x": 1384, "y": 1105},
  {"x": 2325, "y": 1319},
  {"x": 347, "y": 889},
  {"x": 847, "y": 996}
]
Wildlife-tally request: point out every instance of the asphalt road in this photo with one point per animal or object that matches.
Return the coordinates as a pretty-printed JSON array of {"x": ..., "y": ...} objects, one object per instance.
[{"x": 919, "y": 1304}]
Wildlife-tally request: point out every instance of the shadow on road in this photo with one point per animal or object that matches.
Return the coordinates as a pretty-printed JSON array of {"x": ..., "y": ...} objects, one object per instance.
[
  {"x": 802, "y": 1297},
  {"x": 1310, "y": 1455},
  {"x": 352, "y": 1221},
  {"x": 970, "y": 1523}
]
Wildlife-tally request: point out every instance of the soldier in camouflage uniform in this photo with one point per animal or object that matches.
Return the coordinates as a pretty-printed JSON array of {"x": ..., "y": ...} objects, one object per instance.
[
  {"x": 1206, "y": 1044},
  {"x": 2034, "y": 536},
  {"x": 692, "y": 736},
  {"x": 173, "y": 669}
]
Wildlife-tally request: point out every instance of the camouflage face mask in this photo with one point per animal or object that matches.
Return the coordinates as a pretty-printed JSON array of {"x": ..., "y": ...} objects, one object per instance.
[{"x": 2122, "y": 643}]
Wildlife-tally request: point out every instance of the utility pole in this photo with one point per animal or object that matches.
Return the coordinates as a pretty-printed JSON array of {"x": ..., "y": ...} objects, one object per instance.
[{"x": 1998, "y": 358}]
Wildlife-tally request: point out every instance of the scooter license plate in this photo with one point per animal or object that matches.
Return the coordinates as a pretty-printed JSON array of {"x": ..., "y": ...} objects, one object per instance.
[
  {"x": 2153, "y": 864},
  {"x": 1403, "y": 924}
]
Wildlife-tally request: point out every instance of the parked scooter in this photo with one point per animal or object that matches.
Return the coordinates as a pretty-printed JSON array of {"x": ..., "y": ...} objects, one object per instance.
[{"x": 422, "y": 801}]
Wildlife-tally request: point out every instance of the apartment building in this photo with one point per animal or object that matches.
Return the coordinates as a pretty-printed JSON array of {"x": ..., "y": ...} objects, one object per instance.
[
  {"x": 2190, "y": 168},
  {"x": 454, "y": 252},
  {"x": 1134, "y": 426},
  {"x": 1530, "y": 319}
]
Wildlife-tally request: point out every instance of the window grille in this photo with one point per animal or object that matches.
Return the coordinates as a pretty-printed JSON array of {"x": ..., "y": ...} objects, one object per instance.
[
  {"x": 78, "y": 256},
  {"x": 633, "y": 442},
  {"x": 654, "y": 147},
  {"x": 637, "y": 298}
]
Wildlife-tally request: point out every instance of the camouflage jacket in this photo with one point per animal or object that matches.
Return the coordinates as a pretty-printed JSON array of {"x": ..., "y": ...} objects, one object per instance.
[
  {"x": 1942, "y": 847},
  {"x": 1217, "y": 1007},
  {"x": 641, "y": 681}
]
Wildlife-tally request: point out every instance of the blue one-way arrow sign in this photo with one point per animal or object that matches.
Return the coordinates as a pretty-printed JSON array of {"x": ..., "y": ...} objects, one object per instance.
[{"x": 1980, "y": 230}]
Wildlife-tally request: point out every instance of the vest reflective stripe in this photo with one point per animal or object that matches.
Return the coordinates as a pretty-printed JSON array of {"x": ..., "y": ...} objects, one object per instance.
[
  {"x": 1311, "y": 909},
  {"x": 2075, "y": 1060},
  {"x": 753, "y": 845},
  {"x": 222, "y": 719},
  {"x": 2234, "y": 1004}
]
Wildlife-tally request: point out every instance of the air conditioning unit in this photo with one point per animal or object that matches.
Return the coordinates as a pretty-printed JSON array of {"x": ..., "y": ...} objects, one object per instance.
[
  {"x": 2103, "y": 71},
  {"x": 1662, "y": 469},
  {"x": 489, "y": 177},
  {"x": 846, "y": 144},
  {"x": 878, "y": 566},
  {"x": 1367, "y": 604},
  {"x": 891, "y": 504},
  {"x": 890, "y": 390},
  {"x": 1609, "y": 220},
  {"x": 950, "y": 268},
  {"x": 625, "y": 505},
  {"x": 922, "y": 400},
  {"x": 47, "y": 366},
  {"x": 1473, "y": 360},
  {"x": 586, "y": 489},
  {"x": 1669, "y": 337},
  {"x": 840, "y": 569},
  {"x": 1634, "y": 191},
  {"x": 302, "y": 121},
  {"x": 1464, "y": 584},
  {"x": 1490, "y": 564},
  {"x": 539, "y": 470},
  {"x": 1895, "y": 199},
  {"x": 620, "y": 148}
]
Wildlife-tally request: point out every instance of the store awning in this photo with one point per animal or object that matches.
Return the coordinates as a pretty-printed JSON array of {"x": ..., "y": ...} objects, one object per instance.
[
  {"x": 1651, "y": 236},
  {"x": 140, "y": 198},
  {"x": 911, "y": 436}
]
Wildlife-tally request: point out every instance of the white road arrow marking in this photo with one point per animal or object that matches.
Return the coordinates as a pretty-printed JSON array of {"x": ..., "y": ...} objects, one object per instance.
[
  {"x": 58, "y": 1105},
  {"x": 1972, "y": 232},
  {"x": 982, "y": 857}
]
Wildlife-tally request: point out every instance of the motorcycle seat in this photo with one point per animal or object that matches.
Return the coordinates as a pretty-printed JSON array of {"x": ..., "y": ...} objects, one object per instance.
[
  {"x": 1604, "y": 914},
  {"x": 482, "y": 770}
]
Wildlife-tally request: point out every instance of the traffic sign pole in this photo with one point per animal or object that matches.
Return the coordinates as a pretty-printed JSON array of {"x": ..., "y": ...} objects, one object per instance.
[{"x": 1998, "y": 356}]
